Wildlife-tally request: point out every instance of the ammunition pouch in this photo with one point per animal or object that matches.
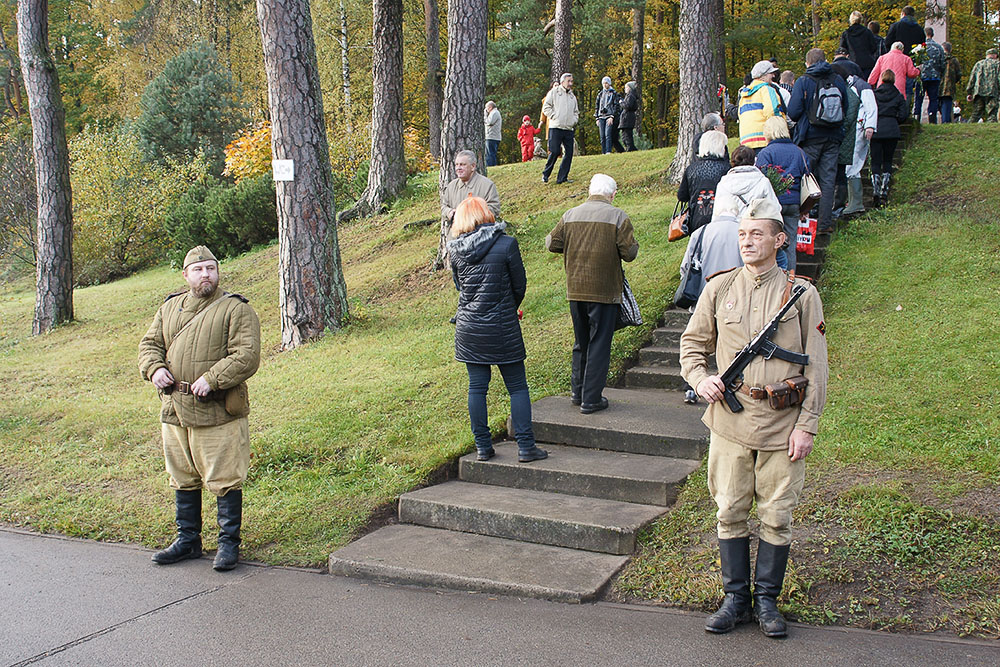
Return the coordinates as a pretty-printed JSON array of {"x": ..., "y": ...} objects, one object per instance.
[{"x": 786, "y": 393}]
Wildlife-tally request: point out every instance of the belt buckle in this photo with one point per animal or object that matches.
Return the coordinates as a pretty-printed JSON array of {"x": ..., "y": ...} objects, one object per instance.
[
  {"x": 184, "y": 387},
  {"x": 758, "y": 393}
]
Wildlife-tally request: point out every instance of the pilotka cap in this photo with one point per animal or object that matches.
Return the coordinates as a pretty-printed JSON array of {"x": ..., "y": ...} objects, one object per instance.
[
  {"x": 198, "y": 254},
  {"x": 763, "y": 209}
]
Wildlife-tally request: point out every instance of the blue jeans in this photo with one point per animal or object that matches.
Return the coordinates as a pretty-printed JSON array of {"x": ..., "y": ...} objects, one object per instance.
[
  {"x": 930, "y": 88},
  {"x": 605, "y": 132},
  {"x": 491, "y": 152},
  {"x": 947, "y": 109},
  {"x": 520, "y": 403},
  {"x": 560, "y": 143}
]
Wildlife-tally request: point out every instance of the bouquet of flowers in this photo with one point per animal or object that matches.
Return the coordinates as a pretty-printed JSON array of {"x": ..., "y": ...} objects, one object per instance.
[
  {"x": 780, "y": 180},
  {"x": 919, "y": 54}
]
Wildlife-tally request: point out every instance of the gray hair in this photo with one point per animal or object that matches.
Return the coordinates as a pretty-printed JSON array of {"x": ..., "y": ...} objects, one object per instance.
[
  {"x": 491, "y": 105},
  {"x": 566, "y": 75},
  {"x": 469, "y": 155},
  {"x": 712, "y": 144},
  {"x": 630, "y": 85},
  {"x": 603, "y": 185},
  {"x": 710, "y": 121},
  {"x": 897, "y": 46}
]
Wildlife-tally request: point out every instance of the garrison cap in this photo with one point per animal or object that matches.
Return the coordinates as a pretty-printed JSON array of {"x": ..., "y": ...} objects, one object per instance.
[
  {"x": 198, "y": 254},
  {"x": 763, "y": 209},
  {"x": 991, "y": 52}
]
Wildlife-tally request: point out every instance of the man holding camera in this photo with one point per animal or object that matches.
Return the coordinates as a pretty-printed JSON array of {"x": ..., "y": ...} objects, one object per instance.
[
  {"x": 199, "y": 352},
  {"x": 758, "y": 453}
]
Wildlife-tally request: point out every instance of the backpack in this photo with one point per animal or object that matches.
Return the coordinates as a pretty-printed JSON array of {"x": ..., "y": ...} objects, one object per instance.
[{"x": 827, "y": 108}]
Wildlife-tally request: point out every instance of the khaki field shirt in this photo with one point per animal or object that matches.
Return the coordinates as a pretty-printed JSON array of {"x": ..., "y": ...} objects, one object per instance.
[{"x": 732, "y": 310}]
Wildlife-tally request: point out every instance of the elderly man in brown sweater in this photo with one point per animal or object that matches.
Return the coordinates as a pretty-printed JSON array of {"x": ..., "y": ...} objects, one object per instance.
[
  {"x": 202, "y": 347},
  {"x": 594, "y": 237}
]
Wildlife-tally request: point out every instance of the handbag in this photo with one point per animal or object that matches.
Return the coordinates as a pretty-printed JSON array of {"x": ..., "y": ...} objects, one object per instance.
[
  {"x": 689, "y": 291},
  {"x": 805, "y": 240},
  {"x": 628, "y": 309},
  {"x": 809, "y": 193},
  {"x": 678, "y": 222}
]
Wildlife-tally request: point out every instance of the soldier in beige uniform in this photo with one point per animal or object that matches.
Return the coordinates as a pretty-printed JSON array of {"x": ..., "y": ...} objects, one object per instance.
[
  {"x": 201, "y": 348},
  {"x": 468, "y": 183},
  {"x": 759, "y": 453}
]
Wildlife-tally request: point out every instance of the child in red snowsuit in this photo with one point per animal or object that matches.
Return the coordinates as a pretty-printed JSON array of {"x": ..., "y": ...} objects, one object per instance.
[{"x": 526, "y": 135}]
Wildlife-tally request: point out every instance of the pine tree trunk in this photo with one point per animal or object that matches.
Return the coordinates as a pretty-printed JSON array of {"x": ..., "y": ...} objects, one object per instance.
[
  {"x": 387, "y": 168},
  {"x": 54, "y": 275},
  {"x": 699, "y": 75},
  {"x": 432, "y": 84},
  {"x": 345, "y": 73},
  {"x": 661, "y": 95},
  {"x": 561, "y": 40},
  {"x": 815, "y": 17},
  {"x": 311, "y": 291},
  {"x": 464, "y": 98},
  {"x": 638, "y": 42}
]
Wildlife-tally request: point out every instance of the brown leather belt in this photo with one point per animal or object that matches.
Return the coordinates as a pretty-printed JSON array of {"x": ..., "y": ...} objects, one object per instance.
[
  {"x": 185, "y": 388},
  {"x": 182, "y": 387},
  {"x": 756, "y": 393}
]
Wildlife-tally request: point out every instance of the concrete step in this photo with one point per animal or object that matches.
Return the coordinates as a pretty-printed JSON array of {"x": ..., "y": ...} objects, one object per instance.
[
  {"x": 654, "y": 377},
  {"x": 676, "y": 317},
  {"x": 668, "y": 335},
  {"x": 407, "y": 554},
  {"x": 622, "y": 476},
  {"x": 654, "y": 355},
  {"x": 559, "y": 519},
  {"x": 641, "y": 422}
]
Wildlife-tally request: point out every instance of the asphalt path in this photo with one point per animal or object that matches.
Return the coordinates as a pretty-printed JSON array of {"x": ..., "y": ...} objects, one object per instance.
[{"x": 75, "y": 602}]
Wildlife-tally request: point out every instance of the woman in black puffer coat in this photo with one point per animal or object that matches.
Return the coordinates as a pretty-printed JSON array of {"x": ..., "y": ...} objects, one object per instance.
[
  {"x": 489, "y": 275},
  {"x": 892, "y": 110}
]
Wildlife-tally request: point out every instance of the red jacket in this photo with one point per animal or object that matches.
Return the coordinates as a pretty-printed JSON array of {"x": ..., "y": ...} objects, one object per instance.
[
  {"x": 526, "y": 135},
  {"x": 900, "y": 63}
]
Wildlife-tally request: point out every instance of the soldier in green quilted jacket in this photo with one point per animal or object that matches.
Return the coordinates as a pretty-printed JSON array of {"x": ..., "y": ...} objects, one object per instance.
[
  {"x": 202, "y": 347},
  {"x": 983, "y": 89}
]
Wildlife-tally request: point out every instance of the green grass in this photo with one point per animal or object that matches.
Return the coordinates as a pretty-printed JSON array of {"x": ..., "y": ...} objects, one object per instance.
[
  {"x": 339, "y": 427},
  {"x": 899, "y": 526}
]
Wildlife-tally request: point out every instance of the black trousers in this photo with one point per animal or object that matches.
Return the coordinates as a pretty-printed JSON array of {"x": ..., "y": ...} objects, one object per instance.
[
  {"x": 593, "y": 327},
  {"x": 882, "y": 151},
  {"x": 629, "y": 139},
  {"x": 559, "y": 138}
]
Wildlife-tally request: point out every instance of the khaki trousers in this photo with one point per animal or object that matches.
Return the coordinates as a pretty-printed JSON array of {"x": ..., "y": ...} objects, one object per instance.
[
  {"x": 214, "y": 457},
  {"x": 738, "y": 475}
]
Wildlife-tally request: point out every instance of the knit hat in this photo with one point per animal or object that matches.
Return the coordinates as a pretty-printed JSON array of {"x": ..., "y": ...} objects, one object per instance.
[
  {"x": 198, "y": 254},
  {"x": 761, "y": 68},
  {"x": 763, "y": 209},
  {"x": 605, "y": 80},
  {"x": 526, "y": 117}
]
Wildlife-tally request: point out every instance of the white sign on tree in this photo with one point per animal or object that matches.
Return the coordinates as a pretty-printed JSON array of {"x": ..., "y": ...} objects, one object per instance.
[{"x": 283, "y": 170}]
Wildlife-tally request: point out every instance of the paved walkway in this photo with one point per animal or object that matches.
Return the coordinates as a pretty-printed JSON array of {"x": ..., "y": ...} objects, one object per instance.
[{"x": 74, "y": 602}]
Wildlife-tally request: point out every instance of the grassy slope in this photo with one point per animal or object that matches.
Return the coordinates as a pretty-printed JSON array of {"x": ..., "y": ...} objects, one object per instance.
[
  {"x": 899, "y": 526},
  {"x": 339, "y": 427}
]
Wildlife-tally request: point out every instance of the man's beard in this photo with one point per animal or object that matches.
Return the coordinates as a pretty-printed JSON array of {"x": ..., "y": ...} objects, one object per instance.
[{"x": 204, "y": 289}]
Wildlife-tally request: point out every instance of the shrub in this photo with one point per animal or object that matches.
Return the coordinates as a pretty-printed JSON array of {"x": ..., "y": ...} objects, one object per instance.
[
  {"x": 249, "y": 154},
  {"x": 119, "y": 203},
  {"x": 229, "y": 219}
]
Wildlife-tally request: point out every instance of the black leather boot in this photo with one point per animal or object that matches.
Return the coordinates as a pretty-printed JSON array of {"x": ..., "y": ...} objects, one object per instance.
[
  {"x": 736, "y": 607},
  {"x": 188, "y": 542},
  {"x": 230, "y": 520},
  {"x": 768, "y": 579}
]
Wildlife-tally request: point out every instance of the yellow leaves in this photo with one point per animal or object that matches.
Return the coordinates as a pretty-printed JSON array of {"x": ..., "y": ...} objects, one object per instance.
[
  {"x": 418, "y": 159},
  {"x": 249, "y": 154}
]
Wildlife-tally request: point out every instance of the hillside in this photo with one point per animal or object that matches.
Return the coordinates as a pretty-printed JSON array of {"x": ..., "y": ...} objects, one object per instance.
[{"x": 340, "y": 427}]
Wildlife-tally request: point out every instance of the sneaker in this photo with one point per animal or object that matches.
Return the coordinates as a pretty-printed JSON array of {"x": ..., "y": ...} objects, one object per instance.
[
  {"x": 690, "y": 397},
  {"x": 485, "y": 454},
  {"x": 533, "y": 454},
  {"x": 575, "y": 400}
]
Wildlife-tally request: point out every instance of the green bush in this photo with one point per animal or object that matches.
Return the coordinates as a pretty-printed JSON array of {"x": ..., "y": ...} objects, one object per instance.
[
  {"x": 119, "y": 203},
  {"x": 229, "y": 219},
  {"x": 192, "y": 107}
]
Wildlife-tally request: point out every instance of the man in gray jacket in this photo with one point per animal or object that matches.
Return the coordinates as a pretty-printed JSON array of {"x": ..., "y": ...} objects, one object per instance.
[{"x": 561, "y": 109}]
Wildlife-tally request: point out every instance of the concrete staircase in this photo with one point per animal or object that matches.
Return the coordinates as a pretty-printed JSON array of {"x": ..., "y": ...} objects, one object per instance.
[{"x": 560, "y": 528}]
